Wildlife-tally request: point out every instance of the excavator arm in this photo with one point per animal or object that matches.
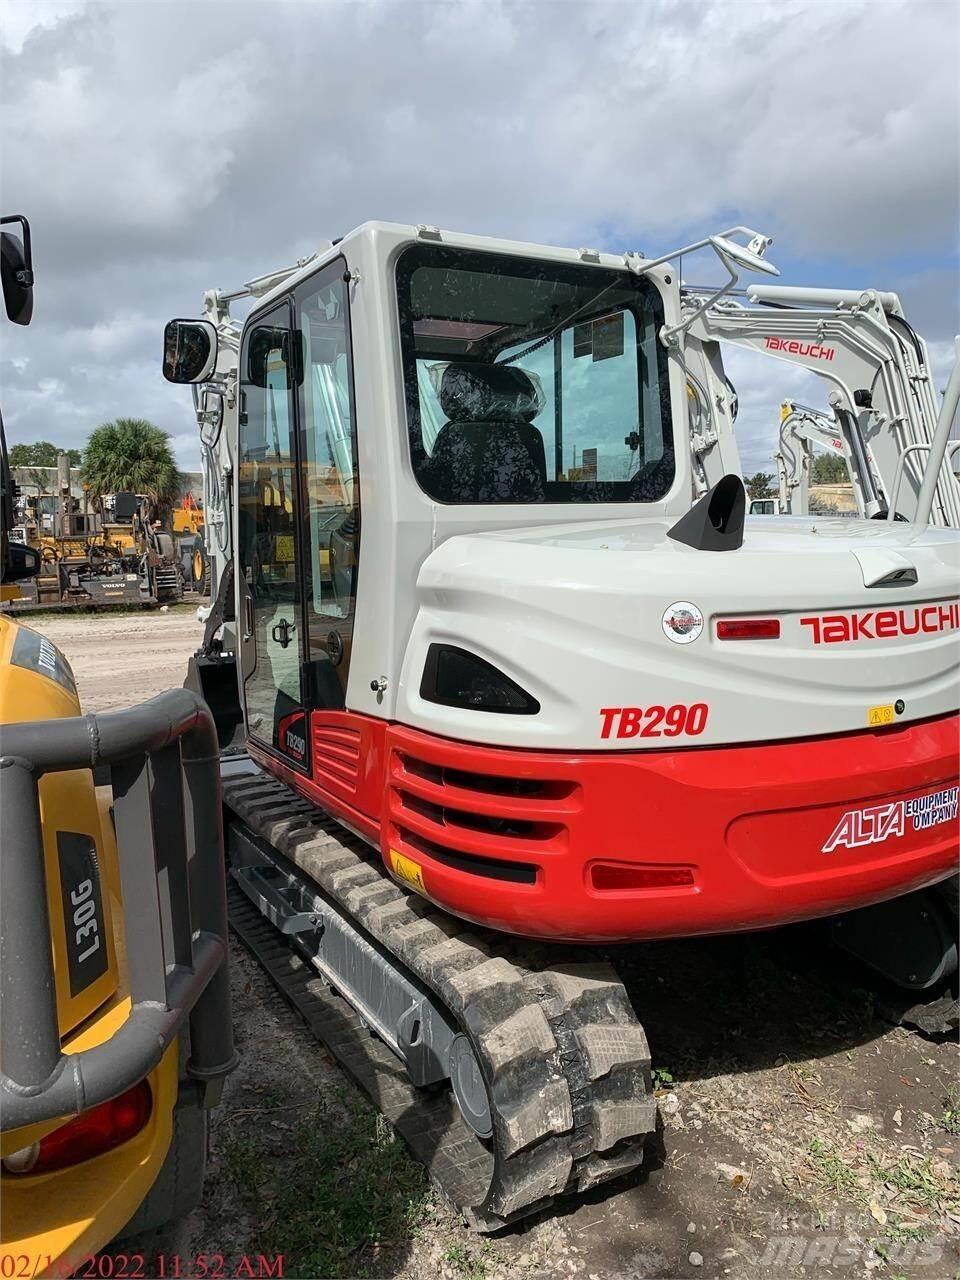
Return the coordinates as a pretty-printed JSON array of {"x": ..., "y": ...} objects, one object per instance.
[
  {"x": 802, "y": 427},
  {"x": 879, "y": 387}
]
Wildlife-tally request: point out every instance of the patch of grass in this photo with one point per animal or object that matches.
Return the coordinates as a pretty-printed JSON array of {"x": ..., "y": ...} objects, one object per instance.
[
  {"x": 347, "y": 1192},
  {"x": 468, "y": 1262},
  {"x": 832, "y": 1170},
  {"x": 275, "y": 1095},
  {"x": 918, "y": 1181},
  {"x": 105, "y": 611},
  {"x": 899, "y": 1234},
  {"x": 950, "y": 1120}
]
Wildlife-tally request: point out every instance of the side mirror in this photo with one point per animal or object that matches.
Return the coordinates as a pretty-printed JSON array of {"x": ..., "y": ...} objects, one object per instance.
[
  {"x": 22, "y": 562},
  {"x": 745, "y": 256},
  {"x": 189, "y": 350},
  {"x": 16, "y": 271}
]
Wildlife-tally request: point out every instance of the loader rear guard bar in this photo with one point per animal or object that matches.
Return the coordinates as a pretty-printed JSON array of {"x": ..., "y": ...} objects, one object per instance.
[{"x": 164, "y": 772}]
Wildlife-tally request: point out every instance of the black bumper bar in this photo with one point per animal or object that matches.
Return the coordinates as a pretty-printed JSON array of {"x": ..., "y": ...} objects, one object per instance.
[{"x": 164, "y": 772}]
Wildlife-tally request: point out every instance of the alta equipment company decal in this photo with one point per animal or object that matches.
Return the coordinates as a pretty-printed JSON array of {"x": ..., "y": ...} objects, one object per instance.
[{"x": 882, "y": 821}]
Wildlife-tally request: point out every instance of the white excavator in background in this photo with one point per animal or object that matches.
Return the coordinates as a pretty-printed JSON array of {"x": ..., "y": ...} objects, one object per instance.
[
  {"x": 883, "y": 404},
  {"x": 802, "y": 428}
]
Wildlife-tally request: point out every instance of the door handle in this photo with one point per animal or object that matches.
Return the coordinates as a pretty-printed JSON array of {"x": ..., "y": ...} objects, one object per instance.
[
  {"x": 282, "y": 632},
  {"x": 248, "y": 617}
]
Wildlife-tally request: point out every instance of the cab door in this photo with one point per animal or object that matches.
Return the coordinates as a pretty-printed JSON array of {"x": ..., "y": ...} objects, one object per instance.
[
  {"x": 268, "y": 508},
  {"x": 330, "y": 487}
]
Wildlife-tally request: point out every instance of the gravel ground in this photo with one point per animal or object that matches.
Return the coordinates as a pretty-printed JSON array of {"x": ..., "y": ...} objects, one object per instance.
[{"x": 801, "y": 1134}]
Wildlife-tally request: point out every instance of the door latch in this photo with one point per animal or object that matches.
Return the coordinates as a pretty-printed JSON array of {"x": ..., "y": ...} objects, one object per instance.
[{"x": 282, "y": 632}]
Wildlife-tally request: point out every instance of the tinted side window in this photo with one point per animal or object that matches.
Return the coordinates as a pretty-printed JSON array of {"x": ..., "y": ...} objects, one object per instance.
[
  {"x": 532, "y": 381},
  {"x": 330, "y": 485}
]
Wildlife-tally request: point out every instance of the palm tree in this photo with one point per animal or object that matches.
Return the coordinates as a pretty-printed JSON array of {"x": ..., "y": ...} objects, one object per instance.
[{"x": 131, "y": 455}]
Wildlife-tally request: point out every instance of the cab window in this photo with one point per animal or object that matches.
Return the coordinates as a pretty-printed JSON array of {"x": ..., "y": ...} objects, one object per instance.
[{"x": 531, "y": 381}]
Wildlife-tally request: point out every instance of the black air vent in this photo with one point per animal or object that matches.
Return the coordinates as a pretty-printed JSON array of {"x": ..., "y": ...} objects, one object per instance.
[{"x": 715, "y": 523}]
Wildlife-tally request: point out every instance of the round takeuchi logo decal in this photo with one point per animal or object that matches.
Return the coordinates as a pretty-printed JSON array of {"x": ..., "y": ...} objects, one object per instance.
[{"x": 682, "y": 622}]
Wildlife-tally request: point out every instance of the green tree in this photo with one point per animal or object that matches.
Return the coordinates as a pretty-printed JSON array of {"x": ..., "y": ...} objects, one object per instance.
[
  {"x": 131, "y": 455},
  {"x": 759, "y": 485},
  {"x": 828, "y": 468},
  {"x": 40, "y": 454}
]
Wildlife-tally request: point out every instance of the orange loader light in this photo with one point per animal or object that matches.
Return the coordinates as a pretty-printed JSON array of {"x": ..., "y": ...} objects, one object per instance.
[
  {"x": 98, "y": 1130},
  {"x": 748, "y": 629}
]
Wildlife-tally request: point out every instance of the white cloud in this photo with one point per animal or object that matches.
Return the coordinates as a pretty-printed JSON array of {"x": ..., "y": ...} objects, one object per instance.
[
  {"x": 18, "y": 18},
  {"x": 160, "y": 149}
]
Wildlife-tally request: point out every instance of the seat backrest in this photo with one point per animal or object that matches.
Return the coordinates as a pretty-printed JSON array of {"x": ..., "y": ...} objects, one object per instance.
[{"x": 488, "y": 450}]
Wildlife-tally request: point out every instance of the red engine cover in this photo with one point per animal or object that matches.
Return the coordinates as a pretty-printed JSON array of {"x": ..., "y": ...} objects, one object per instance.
[{"x": 615, "y": 846}]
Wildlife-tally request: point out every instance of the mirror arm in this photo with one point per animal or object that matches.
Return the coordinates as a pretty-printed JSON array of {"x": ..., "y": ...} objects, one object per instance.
[
  {"x": 648, "y": 264},
  {"x": 670, "y": 334}
]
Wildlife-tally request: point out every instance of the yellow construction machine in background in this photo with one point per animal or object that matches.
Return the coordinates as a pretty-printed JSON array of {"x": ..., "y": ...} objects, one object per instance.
[
  {"x": 112, "y": 552},
  {"x": 115, "y": 1027}
]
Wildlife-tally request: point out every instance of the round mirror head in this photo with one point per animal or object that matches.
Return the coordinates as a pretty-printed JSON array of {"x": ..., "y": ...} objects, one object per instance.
[
  {"x": 743, "y": 256},
  {"x": 189, "y": 350}
]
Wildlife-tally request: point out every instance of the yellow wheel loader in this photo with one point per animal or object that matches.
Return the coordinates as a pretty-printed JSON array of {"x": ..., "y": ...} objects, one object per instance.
[{"x": 115, "y": 1030}]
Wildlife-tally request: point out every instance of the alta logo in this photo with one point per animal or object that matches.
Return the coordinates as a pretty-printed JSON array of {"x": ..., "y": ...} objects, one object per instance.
[
  {"x": 794, "y": 348},
  {"x": 879, "y": 822},
  {"x": 882, "y": 624}
]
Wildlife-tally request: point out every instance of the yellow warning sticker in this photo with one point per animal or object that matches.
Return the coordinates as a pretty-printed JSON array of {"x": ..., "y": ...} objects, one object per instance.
[
  {"x": 407, "y": 870},
  {"x": 880, "y": 715}
]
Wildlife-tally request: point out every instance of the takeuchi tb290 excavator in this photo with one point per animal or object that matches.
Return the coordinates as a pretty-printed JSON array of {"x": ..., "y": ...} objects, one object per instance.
[{"x": 496, "y": 656}]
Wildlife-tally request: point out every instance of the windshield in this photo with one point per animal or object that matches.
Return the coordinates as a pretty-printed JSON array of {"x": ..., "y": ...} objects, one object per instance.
[{"x": 532, "y": 381}]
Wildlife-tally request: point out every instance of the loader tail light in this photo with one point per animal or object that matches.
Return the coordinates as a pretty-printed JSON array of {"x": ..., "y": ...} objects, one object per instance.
[
  {"x": 624, "y": 877},
  {"x": 95, "y": 1131},
  {"x": 748, "y": 629}
]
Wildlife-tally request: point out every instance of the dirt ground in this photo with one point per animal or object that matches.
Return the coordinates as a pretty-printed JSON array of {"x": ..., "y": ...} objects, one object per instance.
[{"x": 802, "y": 1135}]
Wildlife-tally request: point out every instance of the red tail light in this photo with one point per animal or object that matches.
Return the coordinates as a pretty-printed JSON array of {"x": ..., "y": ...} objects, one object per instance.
[
  {"x": 749, "y": 629},
  {"x": 612, "y": 877},
  {"x": 95, "y": 1131}
]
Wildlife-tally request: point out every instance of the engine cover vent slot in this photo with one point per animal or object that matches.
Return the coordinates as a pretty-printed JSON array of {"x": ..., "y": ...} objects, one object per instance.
[{"x": 490, "y": 868}]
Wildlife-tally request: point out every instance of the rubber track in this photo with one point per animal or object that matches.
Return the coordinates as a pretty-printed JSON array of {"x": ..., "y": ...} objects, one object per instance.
[{"x": 566, "y": 1062}]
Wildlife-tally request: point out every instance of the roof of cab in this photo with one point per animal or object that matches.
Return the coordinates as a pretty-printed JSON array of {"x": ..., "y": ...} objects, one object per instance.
[{"x": 397, "y": 233}]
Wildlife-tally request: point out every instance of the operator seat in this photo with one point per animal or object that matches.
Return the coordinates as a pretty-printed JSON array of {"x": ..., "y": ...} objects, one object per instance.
[{"x": 488, "y": 450}]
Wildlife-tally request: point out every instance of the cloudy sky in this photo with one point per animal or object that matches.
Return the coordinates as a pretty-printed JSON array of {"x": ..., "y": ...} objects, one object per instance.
[{"x": 160, "y": 149}]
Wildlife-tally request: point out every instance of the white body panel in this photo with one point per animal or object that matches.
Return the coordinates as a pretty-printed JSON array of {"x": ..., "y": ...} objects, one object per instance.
[{"x": 573, "y": 615}]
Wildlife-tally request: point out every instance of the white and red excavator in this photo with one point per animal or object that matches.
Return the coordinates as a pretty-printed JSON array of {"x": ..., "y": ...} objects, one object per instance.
[{"x": 503, "y": 671}]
